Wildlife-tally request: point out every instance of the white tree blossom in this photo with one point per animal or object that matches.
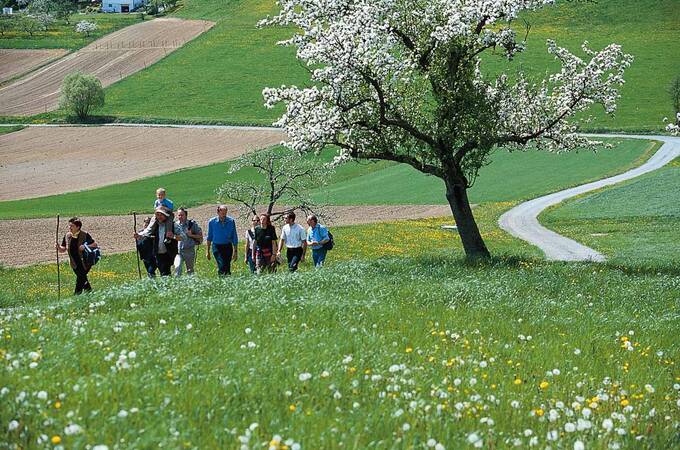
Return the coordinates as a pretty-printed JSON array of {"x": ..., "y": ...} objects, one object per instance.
[
  {"x": 85, "y": 27},
  {"x": 402, "y": 80}
]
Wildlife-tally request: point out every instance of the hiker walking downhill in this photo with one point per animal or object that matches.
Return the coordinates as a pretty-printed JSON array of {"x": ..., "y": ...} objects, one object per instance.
[
  {"x": 250, "y": 243},
  {"x": 265, "y": 240},
  {"x": 222, "y": 240},
  {"x": 317, "y": 236},
  {"x": 294, "y": 236},
  {"x": 166, "y": 234},
  {"x": 75, "y": 242},
  {"x": 187, "y": 248}
]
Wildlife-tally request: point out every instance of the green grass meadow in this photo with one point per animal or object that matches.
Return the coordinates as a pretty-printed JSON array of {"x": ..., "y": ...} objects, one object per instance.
[
  {"x": 510, "y": 177},
  {"x": 226, "y": 69},
  {"x": 222, "y": 71},
  {"x": 396, "y": 343},
  {"x": 638, "y": 220},
  {"x": 62, "y": 35}
]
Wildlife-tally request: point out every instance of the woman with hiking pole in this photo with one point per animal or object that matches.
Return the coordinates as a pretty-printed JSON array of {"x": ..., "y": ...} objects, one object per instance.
[{"x": 75, "y": 242}]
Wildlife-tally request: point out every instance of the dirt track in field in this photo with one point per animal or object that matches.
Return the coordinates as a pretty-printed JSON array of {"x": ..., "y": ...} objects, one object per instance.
[
  {"x": 39, "y": 161},
  {"x": 114, "y": 233},
  {"x": 110, "y": 59},
  {"x": 14, "y": 62}
]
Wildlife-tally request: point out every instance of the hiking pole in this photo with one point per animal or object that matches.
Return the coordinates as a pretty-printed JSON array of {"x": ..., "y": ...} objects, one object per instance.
[
  {"x": 58, "y": 271},
  {"x": 139, "y": 269}
]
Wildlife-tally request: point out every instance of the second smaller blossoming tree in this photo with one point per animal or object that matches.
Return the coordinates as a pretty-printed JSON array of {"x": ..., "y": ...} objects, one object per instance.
[{"x": 282, "y": 177}]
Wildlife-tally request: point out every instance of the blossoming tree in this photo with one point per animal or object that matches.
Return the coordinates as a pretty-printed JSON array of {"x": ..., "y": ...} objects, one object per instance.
[{"x": 401, "y": 80}]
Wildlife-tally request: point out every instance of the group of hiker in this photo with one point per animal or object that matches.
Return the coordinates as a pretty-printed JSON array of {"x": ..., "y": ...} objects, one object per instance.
[
  {"x": 172, "y": 239},
  {"x": 165, "y": 242}
]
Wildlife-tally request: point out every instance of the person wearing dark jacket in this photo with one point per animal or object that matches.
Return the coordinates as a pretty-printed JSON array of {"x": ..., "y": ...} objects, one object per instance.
[
  {"x": 145, "y": 249},
  {"x": 166, "y": 234},
  {"x": 265, "y": 242},
  {"x": 74, "y": 243}
]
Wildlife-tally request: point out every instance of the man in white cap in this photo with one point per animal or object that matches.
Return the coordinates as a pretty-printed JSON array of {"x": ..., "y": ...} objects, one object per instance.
[{"x": 166, "y": 233}]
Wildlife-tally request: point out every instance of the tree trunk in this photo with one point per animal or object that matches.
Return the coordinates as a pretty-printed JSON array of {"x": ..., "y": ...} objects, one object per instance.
[{"x": 473, "y": 244}]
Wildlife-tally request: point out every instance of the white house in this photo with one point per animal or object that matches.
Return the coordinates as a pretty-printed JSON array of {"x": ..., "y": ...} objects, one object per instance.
[{"x": 121, "y": 6}]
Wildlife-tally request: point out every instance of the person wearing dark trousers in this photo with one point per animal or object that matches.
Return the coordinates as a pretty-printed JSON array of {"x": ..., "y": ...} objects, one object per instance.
[
  {"x": 265, "y": 242},
  {"x": 222, "y": 240},
  {"x": 145, "y": 249},
  {"x": 166, "y": 234},
  {"x": 295, "y": 238},
  {"x": 74, "y": 242}
]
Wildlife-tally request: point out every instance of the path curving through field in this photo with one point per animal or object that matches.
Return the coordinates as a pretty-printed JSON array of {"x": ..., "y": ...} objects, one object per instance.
[{"x": 522, "y": 220}]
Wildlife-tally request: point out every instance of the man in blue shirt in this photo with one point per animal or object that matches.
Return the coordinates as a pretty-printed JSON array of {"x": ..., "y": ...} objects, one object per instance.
[
  {"x": 317, "y": 235},
  {"x": 222, "y": 240}
]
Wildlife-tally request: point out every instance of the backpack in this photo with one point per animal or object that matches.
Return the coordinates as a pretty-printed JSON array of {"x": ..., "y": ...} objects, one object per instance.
[
  {"x": 190, "y": 226},
  {"x": 91, "y": 256},
  {"x": 330, "y": 244}
]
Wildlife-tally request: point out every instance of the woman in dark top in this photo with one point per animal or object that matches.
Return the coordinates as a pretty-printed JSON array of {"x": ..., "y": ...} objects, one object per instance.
[
  {"x": 265, "y": 239},
  {"x": 74, "y": 242}
]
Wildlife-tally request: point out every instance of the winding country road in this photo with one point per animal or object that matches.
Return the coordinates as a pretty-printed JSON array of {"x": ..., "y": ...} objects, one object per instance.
[{"x": 522, "y": 220}]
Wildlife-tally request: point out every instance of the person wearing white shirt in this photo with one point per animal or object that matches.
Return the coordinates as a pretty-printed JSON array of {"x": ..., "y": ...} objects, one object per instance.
[{"x": 295, "y": 239}]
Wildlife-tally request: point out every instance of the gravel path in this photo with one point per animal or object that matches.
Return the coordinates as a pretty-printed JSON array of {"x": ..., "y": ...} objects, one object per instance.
[
  {"x": 522, "y": 220},
  {"x": 114, "y": 233}
]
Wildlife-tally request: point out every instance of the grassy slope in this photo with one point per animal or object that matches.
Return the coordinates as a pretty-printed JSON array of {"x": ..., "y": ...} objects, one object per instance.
[
  {"x": 64, "y": 36},
  {"x": 511, "y": 176},
  {"x": 220, "y": 75},
  {"x": 5, "y": 130},
  {"x": 429, "y": 311},
  {"x": 647, "y": 29},
  {"x": 636, "y": 221},
  {"x": 364, "y": 183}
]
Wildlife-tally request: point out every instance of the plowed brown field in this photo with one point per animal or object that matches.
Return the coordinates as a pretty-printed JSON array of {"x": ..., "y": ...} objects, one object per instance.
[
  {"x": 14, "y": 62},
  {"x": 39, "y": 161},
  {"x": 110, "y": 59},
  {"x": 114, "y": 233}
]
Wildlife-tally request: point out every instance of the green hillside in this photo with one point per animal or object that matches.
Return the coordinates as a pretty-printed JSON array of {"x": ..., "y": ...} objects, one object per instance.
[
  {"x": 638, "y": 220},
  {"x": 511, "y": 177},
  {"x": 220, "y": 75},
  {"x": 369, "y": 352}
]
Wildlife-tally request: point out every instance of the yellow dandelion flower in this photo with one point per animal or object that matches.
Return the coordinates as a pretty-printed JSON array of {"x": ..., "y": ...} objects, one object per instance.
[
  {"x": 517, "y": 381},
  {"x": 292, "y": 408},
  {"x": 625, "y": 402},
  {"x": 57, "y": 405},
  {"x": 56, "y": 439},
  {"x": 539, "y": 412},
  {"x": 409, "y": 349},
  {"x": 544, "y": 384}
]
